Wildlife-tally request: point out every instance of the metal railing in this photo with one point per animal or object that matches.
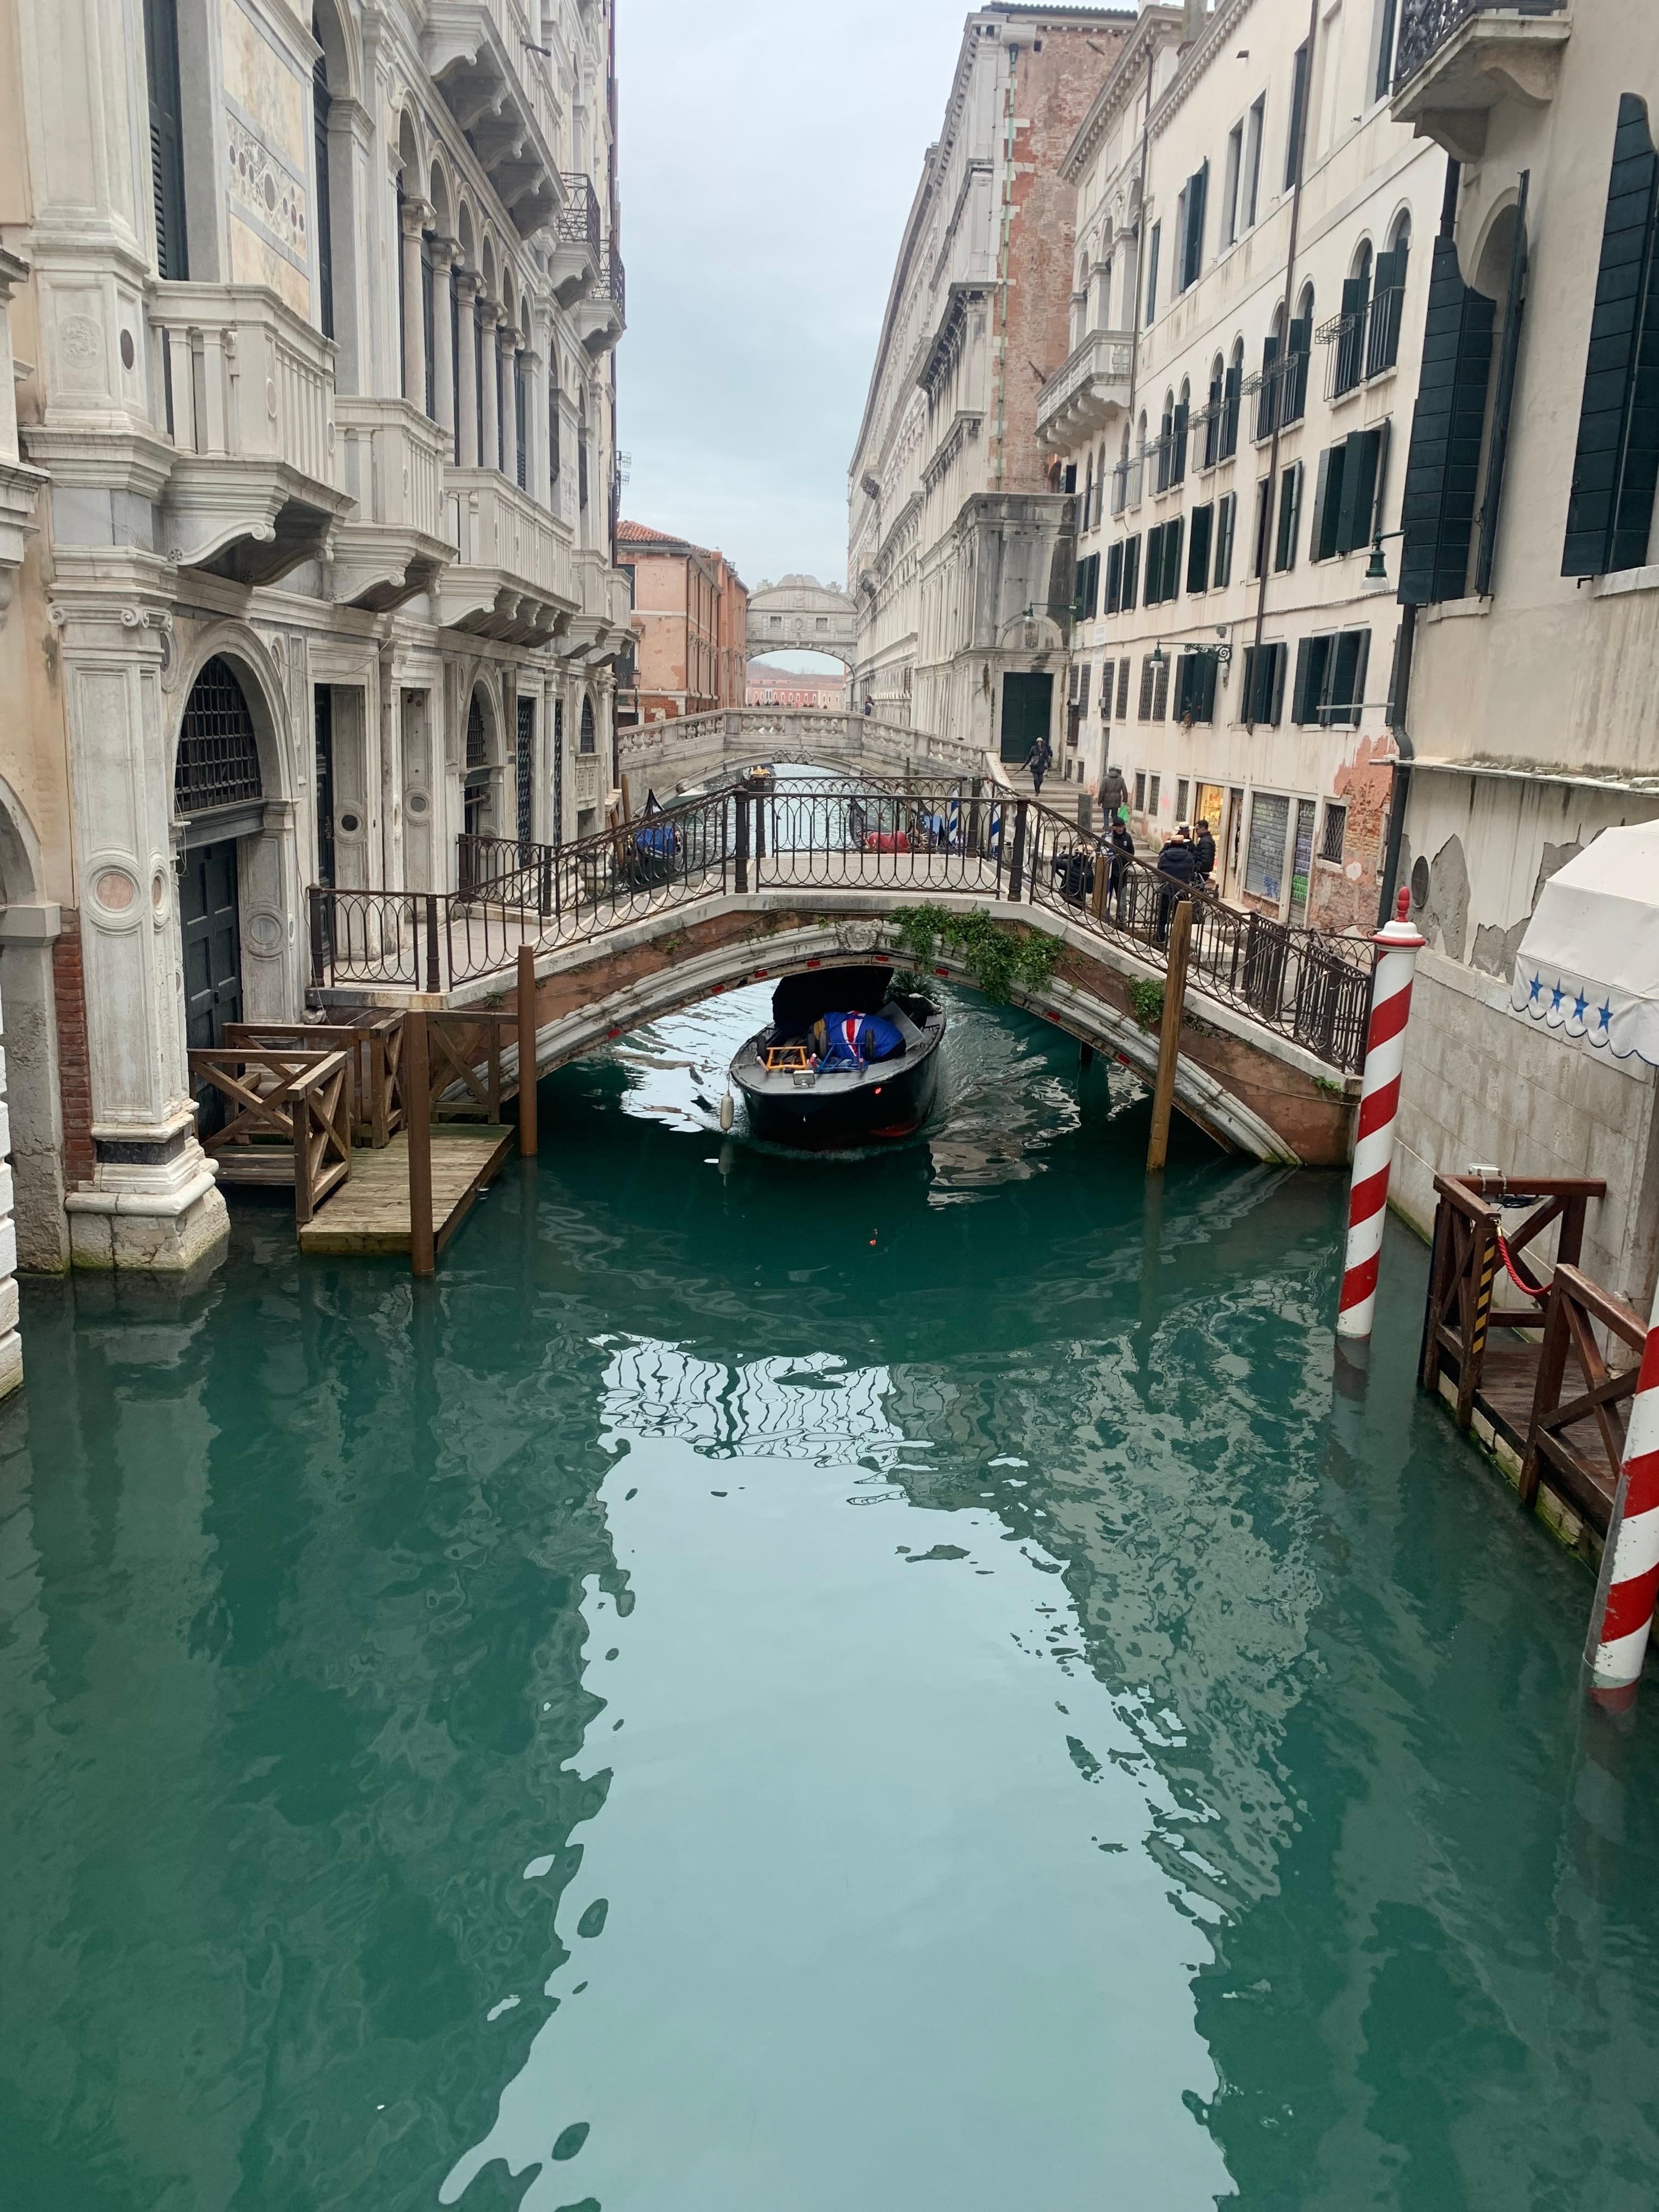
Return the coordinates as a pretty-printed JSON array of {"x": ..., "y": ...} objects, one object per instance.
[
  {"x": 964, "y": 836},
  {"x": 1425, "y": 25},
  {"x": 1362, "y": 345},
  {"x": 577, "y": 223},
  {"x": 611, "y": 281}
]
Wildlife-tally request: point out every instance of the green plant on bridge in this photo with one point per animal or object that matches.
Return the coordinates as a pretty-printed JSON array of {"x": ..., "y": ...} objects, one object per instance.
[
  {"x": 998, "y": 961},
  {"x": 1147, "y": 1000}
]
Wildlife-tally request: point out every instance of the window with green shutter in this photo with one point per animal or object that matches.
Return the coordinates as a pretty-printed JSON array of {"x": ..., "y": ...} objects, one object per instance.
[
  {"x": 1437, "y": 509},
  {"x": 1198, "y": 548},
  {"x": 166, "y": 137},
  {"x": 1610, "y": 511},
  {"x": 1225, "y": 515},
  {"x": 1114, "y": 577},
  {"x": 1290, "y": 517},
  {"x": 1131, "y": 572}
]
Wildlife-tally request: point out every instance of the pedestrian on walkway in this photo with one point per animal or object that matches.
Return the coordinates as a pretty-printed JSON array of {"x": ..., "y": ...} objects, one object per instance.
[
  {"x": 1114, "y": 792},
  {"x": 1175, "y": 863},
  {"x": 1203, "y": 855},
  {"x": 1123, "y": 851},
  {"x": 1038, "y": 762}
]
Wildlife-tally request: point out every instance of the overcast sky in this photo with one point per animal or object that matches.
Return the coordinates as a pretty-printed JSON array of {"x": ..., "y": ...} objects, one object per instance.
[{"x": 769, "y": 153}]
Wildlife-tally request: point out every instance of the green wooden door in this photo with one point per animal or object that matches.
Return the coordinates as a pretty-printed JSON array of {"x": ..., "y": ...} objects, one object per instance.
[{"x": 1027, "y": 706}]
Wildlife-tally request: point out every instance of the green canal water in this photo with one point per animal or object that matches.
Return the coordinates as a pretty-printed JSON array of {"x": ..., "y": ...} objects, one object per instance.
[{"x": 787, "y": 1686}]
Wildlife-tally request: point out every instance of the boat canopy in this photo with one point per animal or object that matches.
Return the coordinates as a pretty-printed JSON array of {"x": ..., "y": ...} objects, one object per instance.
[
  {"x": 800, "y": 1001},
  {"x": 1588, "y": 964}
]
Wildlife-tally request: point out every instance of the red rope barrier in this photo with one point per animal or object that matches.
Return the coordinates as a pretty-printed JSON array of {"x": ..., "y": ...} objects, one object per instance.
[{"x": 1532, "y": 1289}]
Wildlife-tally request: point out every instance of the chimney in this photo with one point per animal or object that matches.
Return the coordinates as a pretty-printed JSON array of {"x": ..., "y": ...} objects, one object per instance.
[{"x": 1194, "y": 15}]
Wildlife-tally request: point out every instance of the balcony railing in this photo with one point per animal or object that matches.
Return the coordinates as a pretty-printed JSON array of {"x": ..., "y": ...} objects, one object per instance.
[
  {"x": 1362, "y": 345},
  {"x": 389, "y": 458},
  {"x": 1093, "y": 386},
  {"x": 242, "y": 377},
  {"x": 1426, "y": 25},
  {"x": 577, "y": 223},
  {"x": 612, "y": 282}
]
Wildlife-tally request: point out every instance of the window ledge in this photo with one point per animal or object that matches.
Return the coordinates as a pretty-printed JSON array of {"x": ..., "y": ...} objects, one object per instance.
[
  {"x": 1340, "y": 399},
  {"x": 1614, "y": 584},
  {"x": 1457, "y": 609}
]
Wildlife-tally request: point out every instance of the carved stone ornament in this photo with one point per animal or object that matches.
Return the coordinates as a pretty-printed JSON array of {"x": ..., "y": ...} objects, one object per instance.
[{"x": 858, "y": 936}]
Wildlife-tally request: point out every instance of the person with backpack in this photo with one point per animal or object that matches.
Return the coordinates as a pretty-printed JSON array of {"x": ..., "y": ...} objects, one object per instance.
[{"x": 1038, "y": 762}]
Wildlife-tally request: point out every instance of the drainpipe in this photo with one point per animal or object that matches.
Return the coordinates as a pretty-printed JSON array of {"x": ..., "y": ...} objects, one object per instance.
[
  {"x": 1140, "y": 234},
  {"x": 1005, "y": 243},
  {"x": 1289, "y": 299}
]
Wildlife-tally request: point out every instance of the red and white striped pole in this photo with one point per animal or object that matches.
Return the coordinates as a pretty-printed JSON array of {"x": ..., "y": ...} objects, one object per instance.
[
  {"x": 1397, "y": 947},
  {"x": 1630, "y": 1565}
]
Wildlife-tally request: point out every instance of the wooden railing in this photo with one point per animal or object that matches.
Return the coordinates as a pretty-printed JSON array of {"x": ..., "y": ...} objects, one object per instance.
[
  {"x": 373, "y": 1043},
  {"x": 440, "y": 1071},
  {"x": 289, "y": 1119},
  {"x": 1580, "y": 1439}
]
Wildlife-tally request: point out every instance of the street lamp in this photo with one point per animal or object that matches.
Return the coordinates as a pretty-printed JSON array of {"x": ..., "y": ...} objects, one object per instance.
[{"x": 1376, "y": 570}]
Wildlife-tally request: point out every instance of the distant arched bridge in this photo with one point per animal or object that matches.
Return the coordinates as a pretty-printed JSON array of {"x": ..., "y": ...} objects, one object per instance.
[
  {"x": 671, "y": 756},
  {"x": 743, "y": 885},
  {"x": 800, "y": 614}
]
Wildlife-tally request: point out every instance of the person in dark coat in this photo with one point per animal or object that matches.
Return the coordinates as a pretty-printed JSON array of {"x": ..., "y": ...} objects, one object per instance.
[
  {"x": 1038, "y": 762},
  {"x": 1175, "y": 863},
  {"x": 1123, "y": 851},
  {"x": 1203, "y": 854}
]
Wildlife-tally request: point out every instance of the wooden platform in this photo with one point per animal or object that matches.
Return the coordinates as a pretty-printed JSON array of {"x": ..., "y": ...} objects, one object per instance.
[{"x": 370, "y": 1211}]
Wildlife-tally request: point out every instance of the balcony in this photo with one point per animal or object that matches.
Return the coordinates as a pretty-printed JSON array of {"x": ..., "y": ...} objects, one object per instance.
[
  {"x": 1459, "y": 59},
  {"x": 485, "y": 61},
  {"x": 246, "y": 390},
  {"x": 389, "y": 460},
  {"x": 575, "y": 260},
  {"x": 601, "y": 317},
  {"x": 1091, "y": 388},
  {"x": 603, "y": 628},
  {"x": 512, "y": 578}
]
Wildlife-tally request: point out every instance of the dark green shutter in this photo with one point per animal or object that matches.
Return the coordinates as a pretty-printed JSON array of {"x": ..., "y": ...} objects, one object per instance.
[
  {"x": 1178, "y": 470},
  {"x": 1436, "y": 512},
  {"x": 1232, "y": 383},
  {"x": 1173, "y": 534},
  {"x": 1328, "y": 490},
  {"x": 1611, "y": 508},
  {"x": 1289, "y": 516},
  {"x": 1193, "y": 244},
  {"x": 1301, "y": 706},
  {"x": 166, "y": 137},
  {"x": 1131, "y": 572},
  {"x": 1208, "y": 667},
  {"x": 1298, "y": 117},
  {"x": 1279, "y": 656},
  {"x": 320, "y": 107},
  {"x": 1360, "y": 457},
  {"x": 1498, "y": 444},
  {"x": 1115, "y": 578},
  {"x": 1198, "y": 549},
  {"x": 1226, "y": 516}
]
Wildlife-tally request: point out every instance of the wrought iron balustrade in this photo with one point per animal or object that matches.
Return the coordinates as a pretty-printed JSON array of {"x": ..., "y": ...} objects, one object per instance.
[
  {"x": 577, "y": 223},
  {"x": 1426, "y": 25}
]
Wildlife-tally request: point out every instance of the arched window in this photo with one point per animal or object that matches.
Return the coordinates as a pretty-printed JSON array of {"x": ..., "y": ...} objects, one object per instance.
[
  {"x": 1348, "y": 353},
  {"x": 1183, "y": 412},
  {"x": 1212, "y": 411},
  {"x": 552, "y": 423},
  {"x": 521, "y": 396},
  {"x": 474, "y": 789},
  {"x": 1300, "y": 353},
  {"x": 586, "y": 741},
  {"x": 1387, "y": 300},
  {"x": 1138, "y": 476},
  {"x": 166, "y": 137},
  {"x": 1269, "y": 399},
  {"x": 1165, "y": 463},
  {"x": 217, "y": 763},
  {"x": 1231, "y": 400}
]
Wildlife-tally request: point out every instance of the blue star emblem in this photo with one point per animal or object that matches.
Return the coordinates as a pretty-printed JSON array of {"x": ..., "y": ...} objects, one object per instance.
[
  {"x": 1556, "y": 997},
  {"x": 1537, "y": 986},
  {"x": 1604, "y": 1014},
  {"x": 1578, "y": 1005}
]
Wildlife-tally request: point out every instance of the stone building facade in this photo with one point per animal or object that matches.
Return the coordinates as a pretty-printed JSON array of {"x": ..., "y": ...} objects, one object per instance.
[
  {"x": 317, "y": 380},
  {"x": 690, "y": 623},
  {"x": 1529, "y": 577},
  {"x": 1247, "y": 304},
  {"x": 960, "y": 552}
]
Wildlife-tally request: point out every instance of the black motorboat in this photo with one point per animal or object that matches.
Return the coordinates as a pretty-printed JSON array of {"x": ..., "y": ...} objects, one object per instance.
[{"x": 802, "y": 1085}]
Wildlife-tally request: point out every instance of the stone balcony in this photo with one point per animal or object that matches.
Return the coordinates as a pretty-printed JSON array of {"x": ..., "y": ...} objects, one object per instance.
[
  {"x": 247, "y": 395},
  {"x": 514, "y": 577},
  {"x": 485, "y": 59},
  {"x": 1458, "y": 59},
  {"x": 1082, "y": 398},
  {"x": 601, "y": 317},
  {"x": 602, "y": 627},
  {"x": 389, "y": 460}
]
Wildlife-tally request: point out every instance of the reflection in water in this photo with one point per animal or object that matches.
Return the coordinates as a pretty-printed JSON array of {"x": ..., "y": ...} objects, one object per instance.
[{"x": 817, "y": 1683}]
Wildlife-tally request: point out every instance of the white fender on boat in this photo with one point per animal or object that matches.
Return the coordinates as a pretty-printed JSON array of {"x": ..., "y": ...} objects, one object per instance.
[{"x": 725, "y": 1111}]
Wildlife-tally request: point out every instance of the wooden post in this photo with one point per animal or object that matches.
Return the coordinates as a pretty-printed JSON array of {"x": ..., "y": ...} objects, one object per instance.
[
  {"x": 1168, "y": 1043},
  {"x": 1483, "y": 1266},
  {"x": 1016, "y": 870},
  {"x": 527, "y": 1139},
  {"x": 418, "y": 1119},
  {"x": 627, "y": 800}
]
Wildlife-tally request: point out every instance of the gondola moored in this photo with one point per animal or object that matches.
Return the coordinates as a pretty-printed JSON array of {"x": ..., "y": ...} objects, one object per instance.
[{"x": 849, "y": 1057}]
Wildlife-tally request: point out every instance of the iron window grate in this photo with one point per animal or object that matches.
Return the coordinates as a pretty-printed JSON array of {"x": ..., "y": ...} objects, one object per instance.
[
  {"x": 218, "y": 759},
  {"x": 477, "y": 755},
  {"x": 1336, "y": 825}
]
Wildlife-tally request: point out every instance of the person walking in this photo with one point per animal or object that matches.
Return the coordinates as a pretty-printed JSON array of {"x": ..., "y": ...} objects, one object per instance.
[
  {"x": 1123, "y": 851},
  {"x": 1203, "y": 855},
  {"x": 1038, "y": 762},
  {"x": 1175, "y": 863},
  {"x": 1114, "y": 792}
]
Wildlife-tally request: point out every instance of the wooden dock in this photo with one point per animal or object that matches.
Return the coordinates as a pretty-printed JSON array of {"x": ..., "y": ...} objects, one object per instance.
[{"x": 370, "y": 1211}]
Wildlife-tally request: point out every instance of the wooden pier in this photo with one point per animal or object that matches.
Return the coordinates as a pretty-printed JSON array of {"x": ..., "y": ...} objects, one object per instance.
[
  {"x": 1530, "y": 1366},
  {"x": 371, "y": 1212}
]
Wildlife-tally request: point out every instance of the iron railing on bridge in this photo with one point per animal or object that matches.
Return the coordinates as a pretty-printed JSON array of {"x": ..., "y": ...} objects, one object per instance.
[{"x": 966, "y": 837}]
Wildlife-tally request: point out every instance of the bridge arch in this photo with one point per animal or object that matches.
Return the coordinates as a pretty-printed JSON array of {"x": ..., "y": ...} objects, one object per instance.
[
  {"x": 797, "y": 614},
  {"x": 1253, "y": 1094}
]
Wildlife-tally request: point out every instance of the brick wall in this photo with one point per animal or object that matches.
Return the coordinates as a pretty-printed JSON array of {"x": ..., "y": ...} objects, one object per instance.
[{"x": 74, "y": 1072}]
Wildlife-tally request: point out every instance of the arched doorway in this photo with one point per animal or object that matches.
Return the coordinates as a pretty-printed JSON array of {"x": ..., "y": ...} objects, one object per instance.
[{"x": 218, "y": 795}]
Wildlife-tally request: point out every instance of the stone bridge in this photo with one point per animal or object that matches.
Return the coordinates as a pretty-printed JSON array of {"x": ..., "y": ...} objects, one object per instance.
[
  {"x": 797, "y": 614},
  {"x": 672, "y": 756},
  {"x": 743, "y": 885}
]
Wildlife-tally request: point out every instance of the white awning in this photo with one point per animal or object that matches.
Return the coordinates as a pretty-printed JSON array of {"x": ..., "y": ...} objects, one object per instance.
[{"x": 1588, "y": 964}]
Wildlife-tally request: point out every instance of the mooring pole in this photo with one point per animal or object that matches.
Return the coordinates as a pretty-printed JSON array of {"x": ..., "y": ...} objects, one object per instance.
[
  {"x": 418, "y": 1119},
  {"x": 1169, "y": 1043},
  {"x": 1629, "y": 1581},
  {"x": 1397, "y": 948},
  {"x": 527, "y": 1139}
]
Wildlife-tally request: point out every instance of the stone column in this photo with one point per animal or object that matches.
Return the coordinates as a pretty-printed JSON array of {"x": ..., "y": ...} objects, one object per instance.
[
  {"x": 466, "y": 369},
  {"x": 534, "y": 417},
  {"x": 512, "y": 341},
  {"x": 490, "y": 314},
  {"x": 152, "y": 1203},
  {"x": 416, "y": 215},
  {"x": 445, "y": 254}
]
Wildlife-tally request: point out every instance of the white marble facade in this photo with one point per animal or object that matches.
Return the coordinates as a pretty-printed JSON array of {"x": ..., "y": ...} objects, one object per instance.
[{"x": 315, "y": 308}]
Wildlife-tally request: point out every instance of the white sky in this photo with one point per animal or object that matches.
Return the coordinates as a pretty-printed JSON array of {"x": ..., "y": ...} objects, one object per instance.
[{"x": 769, "y": 153}]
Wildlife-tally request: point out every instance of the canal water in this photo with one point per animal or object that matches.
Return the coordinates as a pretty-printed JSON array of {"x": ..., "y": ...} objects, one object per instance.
[{"x": 782, "y": 1685}]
